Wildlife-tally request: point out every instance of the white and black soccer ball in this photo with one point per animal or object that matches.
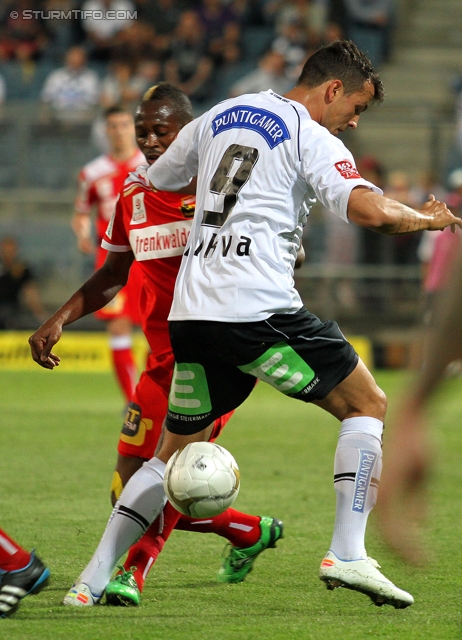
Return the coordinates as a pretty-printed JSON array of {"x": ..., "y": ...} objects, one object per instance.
[{"x": 201, "y": 480}]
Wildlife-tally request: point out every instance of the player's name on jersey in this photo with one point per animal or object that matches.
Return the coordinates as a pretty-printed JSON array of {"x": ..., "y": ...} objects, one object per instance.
[{"x": 239, "y": 246}]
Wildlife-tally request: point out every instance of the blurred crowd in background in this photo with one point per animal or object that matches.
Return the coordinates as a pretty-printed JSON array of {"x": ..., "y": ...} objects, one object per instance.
[
  {"x": 65, "y": 57},
  {"x": 63, "y": 53}
]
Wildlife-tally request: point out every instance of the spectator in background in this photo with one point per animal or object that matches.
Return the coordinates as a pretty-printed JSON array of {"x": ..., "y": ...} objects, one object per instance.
[
  {"x": 189, "y": 67},
  {"x": 332, "y": 32},
  {"x": 18, "y": 290},
  {"x": 398, "y": 187},
  {"x": 311, "y": 15},
  {"x": 231, "y": 49},
  {"x": 336, "y": 17},
  {"x": 124, "y": 85},
  {"x": 373, "y": 246},
  {"x": 293, "y": 44},
  {"x": 73, "y": 91},
  {"x": 2, "y": 90},
  {"x": 270, "y": 74},
  {"x": 136, "y": 44},
  {"x": 221, "y": 27},
  {"x": 163, "y": 16},
  {"x": 21, "y": 31},
  {"x": 101, "y": 34},
  {"x": 63, "y": 33},
  {"x": 369, "y": 25}
]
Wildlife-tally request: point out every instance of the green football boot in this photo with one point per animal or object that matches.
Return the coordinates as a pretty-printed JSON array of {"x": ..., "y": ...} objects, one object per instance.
[
  {"x": 123, "y": 591},
  {"x": 239, "y": 562}
]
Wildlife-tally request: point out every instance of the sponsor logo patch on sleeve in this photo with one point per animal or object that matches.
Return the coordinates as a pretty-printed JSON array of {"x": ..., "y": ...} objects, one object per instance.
[
  {"x": 346, "y": 169},
  {"x": 139, "y": 210}
]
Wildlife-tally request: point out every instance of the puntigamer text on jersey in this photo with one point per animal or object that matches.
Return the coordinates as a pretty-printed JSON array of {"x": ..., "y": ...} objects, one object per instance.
[{"x": 266, "y": 123}]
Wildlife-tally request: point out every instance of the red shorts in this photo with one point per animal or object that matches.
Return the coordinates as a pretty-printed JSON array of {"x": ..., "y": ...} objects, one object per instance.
[
  {"x": 126, "y": 302},
  {"x": 145, "y": 414}
]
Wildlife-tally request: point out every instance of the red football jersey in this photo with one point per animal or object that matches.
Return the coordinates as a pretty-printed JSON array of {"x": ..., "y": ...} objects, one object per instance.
[
  {"x": 99, "y": 184},
  {"x": 155, "y": 225}
]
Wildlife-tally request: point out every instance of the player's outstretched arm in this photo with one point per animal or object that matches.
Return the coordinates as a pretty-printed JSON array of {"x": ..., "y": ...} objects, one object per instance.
[
  {"x": 97, "y": 291},
  {"x": 81, "y": 226},
  {"x": 384, "y": 215},
  {"x": 407, "y": 452}
]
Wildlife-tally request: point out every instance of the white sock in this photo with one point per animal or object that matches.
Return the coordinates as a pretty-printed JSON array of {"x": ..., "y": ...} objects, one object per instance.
[
  {"x": 140, "y": 503},
  {"x": 120, "y": 343},
  {"x": 357, "y": 469}
]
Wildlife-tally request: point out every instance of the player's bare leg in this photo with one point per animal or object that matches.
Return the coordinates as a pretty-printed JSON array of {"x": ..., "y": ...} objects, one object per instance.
[
  {"x": 360, "y": 406},
  {"x": 123, "y": 360},
  {"x": 140, "y": 503},
  {"x": 247, "y": 537}
]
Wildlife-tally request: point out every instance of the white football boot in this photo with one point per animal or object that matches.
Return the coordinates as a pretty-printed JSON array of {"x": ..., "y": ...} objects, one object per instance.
[
  {"x": 80, "y": 595},
  {"x": 363, "y": 576}
]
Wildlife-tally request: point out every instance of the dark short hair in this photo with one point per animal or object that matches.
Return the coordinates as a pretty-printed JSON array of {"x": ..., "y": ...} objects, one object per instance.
[
  {"x": 165, "y": 91},
  {"x": 341, "y": 60},
  {"x": 116, "y": 108}
]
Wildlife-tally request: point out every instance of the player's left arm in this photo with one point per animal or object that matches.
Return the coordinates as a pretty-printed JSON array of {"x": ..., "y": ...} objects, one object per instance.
[
  {"x": 384, "y": 215},
  {"x": 300, "y": 259},
  {"x": 82, "y": 228},
  {"x": 94, "y": 294}
]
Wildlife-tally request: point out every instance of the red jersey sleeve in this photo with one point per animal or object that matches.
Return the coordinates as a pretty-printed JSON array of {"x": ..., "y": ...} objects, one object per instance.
[{"x": 115, "y": 237}]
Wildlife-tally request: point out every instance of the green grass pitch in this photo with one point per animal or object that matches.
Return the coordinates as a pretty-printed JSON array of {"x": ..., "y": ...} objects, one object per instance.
[{"x": 57, "y": 450}]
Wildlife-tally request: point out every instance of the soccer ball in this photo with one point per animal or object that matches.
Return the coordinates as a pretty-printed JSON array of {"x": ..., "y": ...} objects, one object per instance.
[{"x": 201, "y": 480}]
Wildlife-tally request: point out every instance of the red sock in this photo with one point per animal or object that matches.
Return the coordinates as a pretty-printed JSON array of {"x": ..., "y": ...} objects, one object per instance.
[
  {"x": 125, "y": 370},
  {"x": 12, "y": 556},
  {"x": 143, "y": 553},
  {"x": 241, "y": 529}
]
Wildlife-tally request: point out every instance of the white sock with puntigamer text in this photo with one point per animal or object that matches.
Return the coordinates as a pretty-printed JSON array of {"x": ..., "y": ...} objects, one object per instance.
[
  {"x": 357, "y": 469},
  {"x": 141, "y": 501}
]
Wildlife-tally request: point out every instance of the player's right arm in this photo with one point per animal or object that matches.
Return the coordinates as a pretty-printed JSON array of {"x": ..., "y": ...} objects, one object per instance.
[
  {"x": 81, "y": 220},
  {"x": 97, "y": 291},
  {"x": 384, "y": 215},
  {"x": 81, "y": 226}
]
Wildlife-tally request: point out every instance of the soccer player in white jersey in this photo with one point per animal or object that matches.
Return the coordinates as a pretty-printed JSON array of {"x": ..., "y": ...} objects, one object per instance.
[{"x": 261, "y": 160}]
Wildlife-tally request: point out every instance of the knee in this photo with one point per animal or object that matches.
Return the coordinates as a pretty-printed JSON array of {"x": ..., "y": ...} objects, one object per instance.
[
  {"x": 380, "y": 402},
  {"x": 371, "y": 402}
]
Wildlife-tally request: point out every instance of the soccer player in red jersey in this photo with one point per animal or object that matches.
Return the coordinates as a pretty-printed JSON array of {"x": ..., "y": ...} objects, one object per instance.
[
  {"x": 21, "y": 573},
  {"x": 152, "y": 228},
  {"x": 99, "y": 184}
]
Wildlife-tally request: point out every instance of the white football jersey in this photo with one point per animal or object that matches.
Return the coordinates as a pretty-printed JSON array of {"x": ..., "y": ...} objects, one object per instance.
[{"x": 261, "y": 162}]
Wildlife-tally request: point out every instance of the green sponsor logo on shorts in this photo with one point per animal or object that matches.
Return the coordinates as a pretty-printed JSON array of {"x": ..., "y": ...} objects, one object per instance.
[
  {"x": 189, "y": 392},
  {"x": 282, "y": 368}
]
